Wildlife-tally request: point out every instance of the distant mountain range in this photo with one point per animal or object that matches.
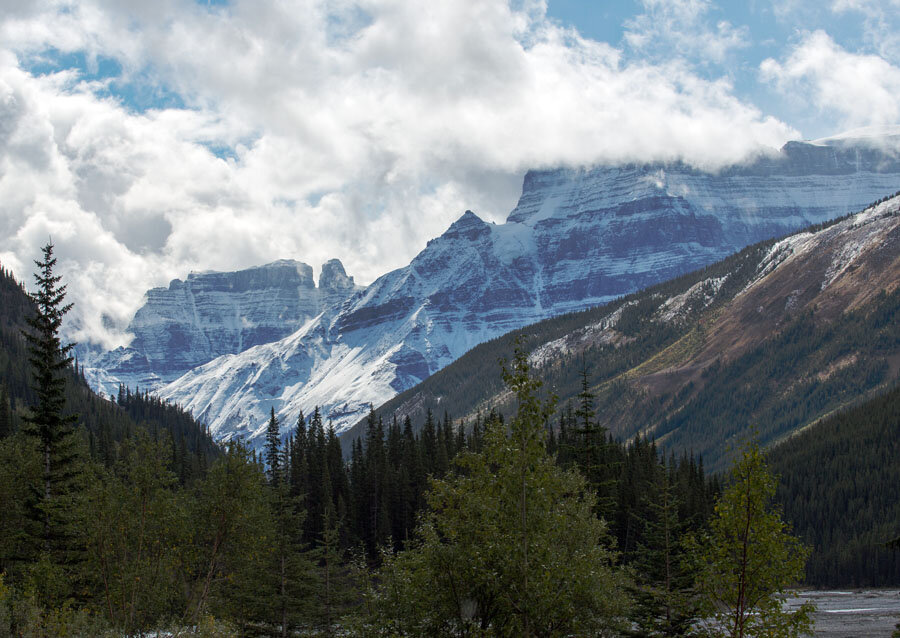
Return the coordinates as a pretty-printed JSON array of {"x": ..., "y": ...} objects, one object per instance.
[
  {"x": 211, "y": 314},
  {"x": 764, "y": 343},
  {"x": 232, "y": 346}
]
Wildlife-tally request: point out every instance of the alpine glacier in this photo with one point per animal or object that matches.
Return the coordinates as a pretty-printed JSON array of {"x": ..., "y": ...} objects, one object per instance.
[{"x": 577, "y": 238}]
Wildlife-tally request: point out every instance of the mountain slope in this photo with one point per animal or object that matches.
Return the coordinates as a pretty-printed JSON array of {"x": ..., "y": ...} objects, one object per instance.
[
  {"x": 838, "y": 486},
  {"x": 577, "y": 238},
  {"x": 772, "y": 338},
  {"x": 105, "y": 424}
]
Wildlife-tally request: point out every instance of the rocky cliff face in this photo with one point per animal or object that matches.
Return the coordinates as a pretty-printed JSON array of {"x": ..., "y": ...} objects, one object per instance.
[
  {"x": 607, "y": 231},
  {"x": 577, "y": 238},
  {"x": 211, "y": 314}
]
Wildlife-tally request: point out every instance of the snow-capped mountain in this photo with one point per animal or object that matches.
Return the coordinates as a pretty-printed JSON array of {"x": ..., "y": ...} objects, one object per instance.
[
  {"x": 215, "y": 313},
  {"x": 773, "y": 338},
  {"x": 577, "y": 238}
]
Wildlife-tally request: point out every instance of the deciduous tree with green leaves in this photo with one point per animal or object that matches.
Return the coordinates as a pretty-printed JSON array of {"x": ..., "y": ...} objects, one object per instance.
[
  {"x": 750, "y": 560},
  {"x": 510, "y": 545},
  {"x": 138, "y": 533}
]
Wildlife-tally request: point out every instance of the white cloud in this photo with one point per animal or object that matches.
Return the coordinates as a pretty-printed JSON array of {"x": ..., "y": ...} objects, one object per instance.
[
  {"x": 881, "y": 22},
  {"x": 861, "y": 89},
  {"x": 683, "y": 27},
  {"x": 359, "y": 130}
]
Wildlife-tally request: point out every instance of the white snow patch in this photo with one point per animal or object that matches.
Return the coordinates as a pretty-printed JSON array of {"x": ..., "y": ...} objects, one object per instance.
[
  {"x": 864, "y": 133},
  {"x": 706, "y": 290},
  {"x": 512, "y": 240}
]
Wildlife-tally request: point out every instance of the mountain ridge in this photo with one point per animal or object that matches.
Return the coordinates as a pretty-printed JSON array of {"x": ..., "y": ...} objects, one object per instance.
[
  {"x": 577, "y": 238},
  {"x": 212, "y": 313},
  {"x": 774, "y": 337}
]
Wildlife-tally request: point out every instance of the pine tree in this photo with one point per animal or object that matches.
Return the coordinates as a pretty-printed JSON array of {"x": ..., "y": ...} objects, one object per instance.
[
  {"x": 315, "y": 496},
  {"x": 592, "y": 451},
  {"x": 293, "y": 579},
  {"x": 429, "y": 441},
  {"x": 52, "y": 510},
  {"x": 664, "y": 604},
  {"x": 330, "y": 562},
  {"x": 299, "y": 461}
]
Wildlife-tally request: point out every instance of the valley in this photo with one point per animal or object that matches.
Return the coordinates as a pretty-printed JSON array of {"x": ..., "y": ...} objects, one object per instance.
[{"x": 456, "y": 319}]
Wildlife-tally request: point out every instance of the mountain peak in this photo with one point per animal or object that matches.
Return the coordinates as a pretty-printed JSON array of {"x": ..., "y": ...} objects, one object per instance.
[
  {"x": 467, "y": 219},
  {"x": 469, "y": 226},
  {"x": 334, "y": 277}
]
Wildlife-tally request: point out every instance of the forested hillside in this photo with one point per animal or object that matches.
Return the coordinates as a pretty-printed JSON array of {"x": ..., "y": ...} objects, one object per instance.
[
  {"x": 839, "y": 481},
  {"x": 114, "y": 528},
  {"x": 112, "y": 531},
  {"x": 106, "y": 424}
]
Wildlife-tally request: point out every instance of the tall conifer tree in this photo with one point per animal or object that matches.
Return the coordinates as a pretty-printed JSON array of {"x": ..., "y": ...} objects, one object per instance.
[
  {"x": 52, "y": 510},
  {"x": 272, "y": 449}
]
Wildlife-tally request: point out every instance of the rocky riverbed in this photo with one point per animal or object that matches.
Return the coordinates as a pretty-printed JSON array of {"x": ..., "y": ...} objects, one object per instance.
[{"x": 848, "y": 613}]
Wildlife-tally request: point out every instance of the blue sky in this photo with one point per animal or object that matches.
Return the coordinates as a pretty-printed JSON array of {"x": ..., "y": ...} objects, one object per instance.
[
  {"x": 771, "y": 28},
  {"x": 153, "y": 138}
]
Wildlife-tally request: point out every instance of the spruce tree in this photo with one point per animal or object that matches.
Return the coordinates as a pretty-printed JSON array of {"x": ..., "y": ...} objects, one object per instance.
[
  {"x": 272, "y": 449},
  {"x": 429, "y": 441},
  {"x": 330, "y": 561},
  {"x": 293, "y": 579},
  {"x": 664, "y": 605},
  {"x": 298, "y": 463},
  {"x": 52, "y": 510}
]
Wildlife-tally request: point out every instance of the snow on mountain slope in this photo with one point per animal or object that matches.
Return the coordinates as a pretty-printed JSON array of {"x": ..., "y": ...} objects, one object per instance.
[{"x": 577, "y": 238}]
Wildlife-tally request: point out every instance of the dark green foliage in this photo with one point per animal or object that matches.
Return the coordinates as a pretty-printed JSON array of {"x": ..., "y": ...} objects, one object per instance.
[
  {"x": 6, "y": 417},
  {"x": 510, "y": 546},
  {"x": 20, "y": 468},
  {"x": 583, "y": 440},
  {"x": 272, "y": 450},
  {"x": 51, "y": 510},
  {"x": 136, "y": 533},
  {"x": 838, "y": 487},
  {"x": 193, "y": 447},
  {"x": 664, "y": 604},
  {"x": 178, "y": 531},
  {"x": 629, "y": 478},
  {"x": 102, "y": 424},
  {"x": 228, "y": 558},
  {"x": 291, "y": 575}
]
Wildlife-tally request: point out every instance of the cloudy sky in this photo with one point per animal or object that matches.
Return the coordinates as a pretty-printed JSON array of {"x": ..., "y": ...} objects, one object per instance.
[{"x": 149, "y": 139}]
